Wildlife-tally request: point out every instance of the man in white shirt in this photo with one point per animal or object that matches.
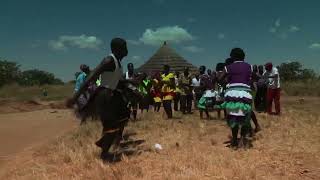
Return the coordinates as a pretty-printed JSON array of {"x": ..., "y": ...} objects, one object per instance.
[{"x": 273, "y": 94}]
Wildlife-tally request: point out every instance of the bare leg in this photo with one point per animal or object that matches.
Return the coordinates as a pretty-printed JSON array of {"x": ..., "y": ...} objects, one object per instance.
[
  {"x": 255, "y": 121},
  {"x": 234, "y": 141}
]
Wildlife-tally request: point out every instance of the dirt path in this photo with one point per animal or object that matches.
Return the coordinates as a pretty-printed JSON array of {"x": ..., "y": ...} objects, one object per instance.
[{"x": 21, "y": 132}]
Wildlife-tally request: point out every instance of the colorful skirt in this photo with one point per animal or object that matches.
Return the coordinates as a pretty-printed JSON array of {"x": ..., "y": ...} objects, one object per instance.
[
  {"x": 238, "y": 104},
  {"x": 207, "y": 100}
]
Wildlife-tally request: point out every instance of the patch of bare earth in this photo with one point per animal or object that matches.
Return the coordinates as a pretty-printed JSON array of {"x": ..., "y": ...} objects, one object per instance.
[
  {"x": 13, "y": 106},
  {"x": 288, "y": 147}
]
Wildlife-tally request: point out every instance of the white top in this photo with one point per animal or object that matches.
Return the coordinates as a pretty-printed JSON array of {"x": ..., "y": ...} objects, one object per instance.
[
  {"x": 195, "y": 82},
  {"x": 176, "y": 80},
  {"x": 110, "y": 80},
  {"x": 209, "y": 93},
  {"x": 273, "y": 83},
  {"x": 127, "y": 76}
]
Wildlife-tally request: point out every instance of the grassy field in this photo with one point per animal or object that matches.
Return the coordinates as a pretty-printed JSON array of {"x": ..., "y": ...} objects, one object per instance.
[
  {"x": 287, "y": 148},
  {"x": 19, "y": 93},
  {"x": 299, "y": 88}
]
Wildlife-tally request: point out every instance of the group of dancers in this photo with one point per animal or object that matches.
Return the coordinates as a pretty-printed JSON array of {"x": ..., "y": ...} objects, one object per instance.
[{"x": 113, "y": 96}]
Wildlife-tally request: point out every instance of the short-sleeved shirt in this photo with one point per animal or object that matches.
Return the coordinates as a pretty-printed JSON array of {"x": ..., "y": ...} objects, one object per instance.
[
  {"x": 195, "y": 82},
  {"x": 273, "y": 83},
  {"x": 239, "y": 73},
  {"x": 185, "y": 84},
  {"x": 80, "y": 80},
  {"x": 167, "y": 90}
]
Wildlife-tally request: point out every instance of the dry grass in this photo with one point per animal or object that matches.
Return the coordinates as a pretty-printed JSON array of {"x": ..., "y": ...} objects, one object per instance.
[
  {"x": 287, "y": 148},
  {"x": 302, "y": 88},
  {"x": 20, "y": 93}
]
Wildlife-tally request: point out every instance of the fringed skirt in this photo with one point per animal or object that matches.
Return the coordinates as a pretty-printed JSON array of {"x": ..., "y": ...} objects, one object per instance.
[
  {"x": 110, "y": 107},
  {"x": 238, "y": 104},
  {"x": 207, "y": 100}
]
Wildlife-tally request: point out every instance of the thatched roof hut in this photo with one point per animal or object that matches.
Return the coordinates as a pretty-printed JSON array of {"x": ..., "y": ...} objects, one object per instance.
[{"x": 166, "y": 55}]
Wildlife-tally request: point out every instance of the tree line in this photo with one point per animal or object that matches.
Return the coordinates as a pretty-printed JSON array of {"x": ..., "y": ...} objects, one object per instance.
[
  {"x": 294, "y": 71},
  {"x": 10, "y": 72}
]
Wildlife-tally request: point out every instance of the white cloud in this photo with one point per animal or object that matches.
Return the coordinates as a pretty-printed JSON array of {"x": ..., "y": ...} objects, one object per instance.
[
  {"x": 82, "y": 41},
  {"x": 136, "y": 58},
  {"x": 277, "y": 23},
  {"x": 133, "y": 42},
  {"x": 221, "y": 36},
  {"x": 315, "y": 46},
  {"x": 282, "y": 32},
  {"x": 193, "y": 49},
  {"x": 283, "y": 35},
  {"x": 173, "y": 34},
  {"x": 191, "y": 20},
  {"x": 273, "y": 30},
  {"x": 57, "y": 45},
  {"x": 294, "y": 29},
  {"x": 275, "y": 27}
]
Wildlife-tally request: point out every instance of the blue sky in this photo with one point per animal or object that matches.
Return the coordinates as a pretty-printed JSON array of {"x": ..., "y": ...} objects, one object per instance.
[{"x": 59, "y": 35}]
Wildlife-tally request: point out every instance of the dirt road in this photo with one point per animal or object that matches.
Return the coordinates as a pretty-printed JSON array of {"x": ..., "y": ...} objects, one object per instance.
[{"x": 21, "y": 132}]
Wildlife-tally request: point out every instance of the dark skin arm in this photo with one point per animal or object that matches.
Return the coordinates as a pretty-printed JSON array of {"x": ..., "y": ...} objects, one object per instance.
[
  {"x": 107, "y": 64},
  {"x": 222, "y": 76}
]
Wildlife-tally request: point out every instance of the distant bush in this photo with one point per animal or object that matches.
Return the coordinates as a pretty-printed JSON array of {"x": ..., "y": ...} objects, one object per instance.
[
  {"x": 294, "y": 71},
  {"x": 302, "y": 88},
  {"x": 10, "y": 73},
  {"x": 299, "y": 81},
  {"x": 37, "y": 77},
  {"x": 18, "y": 92}
]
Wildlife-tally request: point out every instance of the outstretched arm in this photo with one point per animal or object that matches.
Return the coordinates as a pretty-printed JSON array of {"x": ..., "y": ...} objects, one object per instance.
[{"x": 107, "y": 64}]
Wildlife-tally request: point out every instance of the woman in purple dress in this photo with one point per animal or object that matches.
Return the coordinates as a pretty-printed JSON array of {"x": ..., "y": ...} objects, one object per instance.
[{"x": 238, "y": 98}]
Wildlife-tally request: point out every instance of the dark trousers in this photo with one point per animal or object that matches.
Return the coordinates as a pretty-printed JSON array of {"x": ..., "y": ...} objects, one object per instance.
[
  {"x": 157, "y": 106},
  {"x": 105, "y": 143},
  {"x": 273, "y": 95},
  {"x": 168, "y": 108},
  {"x": 112, "y": 111},
  {"x": 260, "y": 101},
  {"x": 176, "y": 101},
  {"x": 186, "y": 103}
]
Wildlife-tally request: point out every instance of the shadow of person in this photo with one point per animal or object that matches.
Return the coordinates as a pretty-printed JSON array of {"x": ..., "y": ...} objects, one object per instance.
[
  {"x": 126, "y": 136},
  {"x": 126, "y": 149},
  {"x": 117, "y": 156},
  {"x": 132, "y": 143},
  {"x": 245, "y": 143}
]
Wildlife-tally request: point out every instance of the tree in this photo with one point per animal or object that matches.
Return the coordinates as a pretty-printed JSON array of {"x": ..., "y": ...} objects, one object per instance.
[
  {"x": 308, "y": 74},
  {"x": 294, "y": 71},
  {"x": 37, "y": 77},
  {"x": 290, "y": 71},
  {"x": 9, "y": 72}
]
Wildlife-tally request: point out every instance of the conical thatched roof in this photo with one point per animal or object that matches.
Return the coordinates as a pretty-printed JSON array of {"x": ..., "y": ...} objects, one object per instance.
[{"x": 166, "y": 55}]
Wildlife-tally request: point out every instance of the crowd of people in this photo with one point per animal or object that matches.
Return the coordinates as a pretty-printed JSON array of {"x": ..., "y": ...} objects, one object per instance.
[{"x": 233, "y": 87}]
